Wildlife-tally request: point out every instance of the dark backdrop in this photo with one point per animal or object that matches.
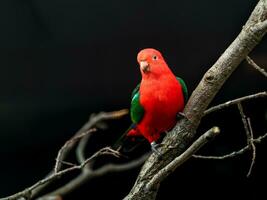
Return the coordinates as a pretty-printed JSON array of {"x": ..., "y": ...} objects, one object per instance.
[{"x": 61, "y": 60}]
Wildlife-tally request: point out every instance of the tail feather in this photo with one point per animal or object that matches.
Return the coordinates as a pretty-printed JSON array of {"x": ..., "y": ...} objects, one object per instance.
[
  {"x": 129, "y": 140},
  {"x": 118, "y": 144}
]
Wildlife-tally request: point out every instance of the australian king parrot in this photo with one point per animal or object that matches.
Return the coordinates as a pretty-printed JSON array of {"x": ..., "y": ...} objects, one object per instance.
[{"x": 157, "y": 100}]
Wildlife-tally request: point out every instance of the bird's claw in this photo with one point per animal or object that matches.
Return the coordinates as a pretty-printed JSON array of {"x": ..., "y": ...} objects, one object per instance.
[{"x": 154, "y": 148}]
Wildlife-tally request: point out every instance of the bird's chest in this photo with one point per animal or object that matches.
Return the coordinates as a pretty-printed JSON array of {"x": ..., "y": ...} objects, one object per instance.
[{"x": 161, "y": 98}]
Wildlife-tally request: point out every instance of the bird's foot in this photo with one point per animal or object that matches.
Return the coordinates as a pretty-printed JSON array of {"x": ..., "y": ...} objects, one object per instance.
[{"x": 154, "y": 148}]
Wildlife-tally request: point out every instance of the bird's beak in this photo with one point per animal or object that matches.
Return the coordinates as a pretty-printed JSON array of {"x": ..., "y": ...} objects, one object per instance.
[{"x": 144, "y": 66}]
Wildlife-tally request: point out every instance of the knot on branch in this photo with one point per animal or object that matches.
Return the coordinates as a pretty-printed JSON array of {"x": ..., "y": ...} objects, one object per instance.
[{"x": 209, "y": 77}]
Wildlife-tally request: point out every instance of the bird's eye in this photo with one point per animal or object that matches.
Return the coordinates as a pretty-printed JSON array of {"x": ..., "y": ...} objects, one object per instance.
[{"x": 154, "y": 57}]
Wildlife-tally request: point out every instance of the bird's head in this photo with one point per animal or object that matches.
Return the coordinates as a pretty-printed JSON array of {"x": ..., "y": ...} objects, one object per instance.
[{"x": 151, "y": 62}]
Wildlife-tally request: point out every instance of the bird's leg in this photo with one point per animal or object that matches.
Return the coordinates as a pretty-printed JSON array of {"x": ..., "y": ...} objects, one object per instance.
[{"x": 154, "y": 148}]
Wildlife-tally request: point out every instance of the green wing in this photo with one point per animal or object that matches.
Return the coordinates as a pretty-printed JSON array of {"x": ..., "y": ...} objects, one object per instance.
[
  {"x": 137, "y": 110},
  {"x": 185, "y": 91}
]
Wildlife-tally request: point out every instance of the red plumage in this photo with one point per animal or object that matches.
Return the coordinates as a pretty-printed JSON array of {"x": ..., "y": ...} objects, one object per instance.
[{"x": 161, "y": 96}]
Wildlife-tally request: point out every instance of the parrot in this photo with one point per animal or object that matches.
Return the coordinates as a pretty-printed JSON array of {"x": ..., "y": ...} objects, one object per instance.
[{"x": 157, "y": 101}]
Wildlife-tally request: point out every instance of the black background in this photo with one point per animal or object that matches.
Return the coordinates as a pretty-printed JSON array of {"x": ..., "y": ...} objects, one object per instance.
[{"x": 61, "y": 60}]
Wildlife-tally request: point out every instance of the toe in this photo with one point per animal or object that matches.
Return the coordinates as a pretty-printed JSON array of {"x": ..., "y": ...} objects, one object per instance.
[{"x": 154, "y": 148}]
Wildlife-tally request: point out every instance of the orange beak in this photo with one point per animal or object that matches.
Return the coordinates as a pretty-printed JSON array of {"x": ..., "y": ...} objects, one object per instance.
[{"x": 144, "y": 66}]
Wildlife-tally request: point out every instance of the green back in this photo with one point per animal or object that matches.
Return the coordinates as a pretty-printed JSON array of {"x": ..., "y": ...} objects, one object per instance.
[
  {"x": 185, "y": 91},
  {"x": 137, "y": 110}
]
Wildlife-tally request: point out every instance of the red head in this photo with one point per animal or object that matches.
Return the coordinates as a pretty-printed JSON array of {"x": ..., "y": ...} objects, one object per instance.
[{"x": 151, "y": 63}]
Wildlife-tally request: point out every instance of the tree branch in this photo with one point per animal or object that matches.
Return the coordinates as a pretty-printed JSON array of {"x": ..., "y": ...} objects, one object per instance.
[
  {"x": 27, "y": 192},
  {"x": 63, "y": 152},
  {"x": 250, "y": 142},
  {"x": 247, "y": 126},
  {"x": 232, "y": 154},
  {"x": 185, "y": 130},
  {"x": 81, "y": 149},
  {"x": 249, "y": 133},
  {"x": 235, "y": 101},
  {"x": 87, "y": 175},
  {"x": 168, "y": 169},
  {"x": 93, "y": 121},
  {"x": 253, "y": 147},
  {"x": 244, "y": 120},
  {"x": 257, "y": 67},
  {"x": 72, "y": 140}
]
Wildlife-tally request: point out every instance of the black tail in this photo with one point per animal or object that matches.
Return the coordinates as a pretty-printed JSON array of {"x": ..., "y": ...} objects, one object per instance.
[
  {"x": 126, "y": 144},
  {"x": 119, "y": 142}
]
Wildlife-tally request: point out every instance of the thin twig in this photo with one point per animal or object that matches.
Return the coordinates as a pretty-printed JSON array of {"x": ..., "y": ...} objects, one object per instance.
[
  {"x": 27, "y": 192},
  {"x": 260, "y": 138},
  {"x": 250, "y": 142},
  {"x": 245, "y": 122},
  {"x": 249, "y": 133},
  {"x": 88, "y": 125},
  {"x": 234, "y": 153},
  {"x": 63, "y": 152},
  {"x": 81, "y": 149},
  {"x": 252, "y": 146},
  {"x": 87, "y": 175},
  {"x": 235, "y": 101},
  {"x": 230, "y": 155},
  {"x": 257, "y": 67},
  {"x": 163, "y": 173},
  {"x": 72, "y": 140},
  {"x": 83, "y": 142},
  {"x": 93, "y": 121},
  {"x": 66, "y": 163}
]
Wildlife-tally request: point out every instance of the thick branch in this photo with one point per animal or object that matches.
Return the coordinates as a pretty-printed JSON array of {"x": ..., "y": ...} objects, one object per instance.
[
  {"x": 163, "y": 173},
  {"x": 185, "y": 130}
]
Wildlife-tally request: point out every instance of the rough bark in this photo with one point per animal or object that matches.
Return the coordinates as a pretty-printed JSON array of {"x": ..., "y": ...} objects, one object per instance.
[{"x": 185, "y": 130}]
